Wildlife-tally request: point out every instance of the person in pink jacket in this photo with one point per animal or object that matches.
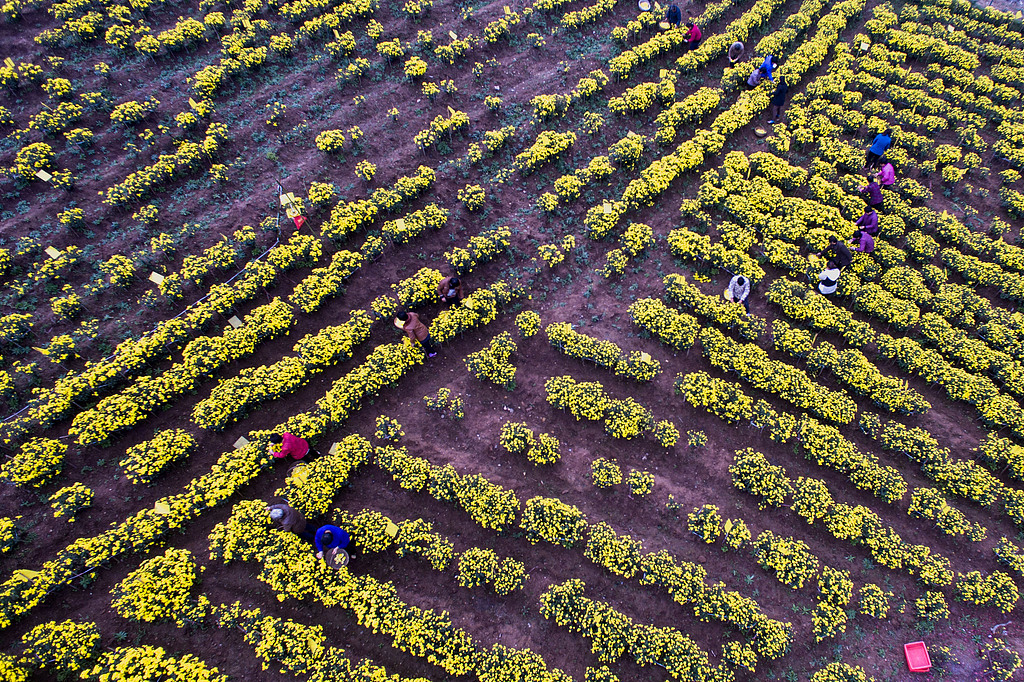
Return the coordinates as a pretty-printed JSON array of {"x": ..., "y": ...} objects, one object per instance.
[
  {"x": 886, "y": 176},
  {"x": 286, "y": 445},
  {"x": 693, "y": 36}
]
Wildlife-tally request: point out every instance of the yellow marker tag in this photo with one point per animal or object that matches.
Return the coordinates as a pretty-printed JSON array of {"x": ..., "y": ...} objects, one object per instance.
[
  {"x": 156, "y": 277},
  {"x": 162, "y": 508},
  {"x": 950, "y": 27},
  {"x": 333, "y": 449},
  {"x": 507, "y": 11},
  {"x": 606, "y": 208},
  {"x": 1019, "y": 15},
  {"x": 192, "y": 103},
  {"x": 451, "y": 111},
  {"x": 40, "y": 350},
  {"x": 453, "y": 35},
  {"x": 337, "y": 36},
  {"x": 865, "y": 47},
  {"x": 25, "y": 574},
  {"x": 400, "y": 223},
  {"x": 234, "y": 321},
  {"x": 246, "y": 22},
  {"x": 664, "y": 72},
  {"x": 241, "y": 442},
  {"x": 391, "y": 529},
  {"x": 43, "y": 175},
  {"x": 284, "y": 199},
  {"x": 291, "y": 212},
  {"x": 8, "y": 62},
  {"x": 646, "y": 357},
  {"x": 52, "y": 252}
]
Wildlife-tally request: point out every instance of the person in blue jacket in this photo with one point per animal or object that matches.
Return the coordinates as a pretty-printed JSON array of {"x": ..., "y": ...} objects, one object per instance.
[
  {"x": 328, "y": 537},
  {"x": 769, "y": 64},
  {"x": 878, "y": 148}
]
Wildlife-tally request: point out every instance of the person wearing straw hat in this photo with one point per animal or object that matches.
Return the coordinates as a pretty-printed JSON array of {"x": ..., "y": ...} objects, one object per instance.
[
  {"x": 329, "y": 537},
  {"x": 415, "y": 329},
  {"x": 285, "y": 445},
  {"x": 738, "y": 291},
  {"x": 450, "y": 290}
]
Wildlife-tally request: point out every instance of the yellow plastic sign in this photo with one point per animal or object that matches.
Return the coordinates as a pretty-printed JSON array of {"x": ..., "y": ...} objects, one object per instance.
[
  {"x": 291, "y": 212},
  {"x": 507, "y": 11},
  {"x": 52, "y": 252},
  {"x": 246, "y": 22},
  {"x": 234, "y": 321},
  {"x": 156, "y": 277},
  {"x": 400, "y": 223},
  {"x": 646, "y": 357},
  {"x": 241, "y": 442},
  {"x": 453, "y": 35},
  {"x": 337, "y": 36},
  {"x": 162, "y": 508},
  {"x": 333, "y": 450},
  {"x": 391, "y": 529},
  {"x": 25, "y": 575},
  {"x": 43, "y": 175},
  {"x": 192, "y": 103},
  {"x": 451, "y": 111},
  {"x": 664, "y": 72},
  {"x": 606, "y": 208},
  {"x": 864, "y": 47},
  {"x": 8, "y": 62},
  {"x": 288, "y": 198}
]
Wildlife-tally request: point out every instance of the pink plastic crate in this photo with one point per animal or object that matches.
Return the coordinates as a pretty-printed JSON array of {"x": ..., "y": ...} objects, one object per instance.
[{"x": 918, "y": 659}]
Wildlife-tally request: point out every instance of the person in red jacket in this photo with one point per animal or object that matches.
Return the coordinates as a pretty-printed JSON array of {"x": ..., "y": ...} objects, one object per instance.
[
  {"x": 286, "y": 445},
  {"x": 693, "y": 36}
]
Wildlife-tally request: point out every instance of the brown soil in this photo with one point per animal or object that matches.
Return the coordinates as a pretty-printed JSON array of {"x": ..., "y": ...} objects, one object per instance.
[{"x": 259, "y": 156}]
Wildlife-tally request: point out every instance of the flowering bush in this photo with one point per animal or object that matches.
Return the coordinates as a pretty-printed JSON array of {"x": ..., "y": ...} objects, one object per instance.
[{"x": 70, "y": 500}]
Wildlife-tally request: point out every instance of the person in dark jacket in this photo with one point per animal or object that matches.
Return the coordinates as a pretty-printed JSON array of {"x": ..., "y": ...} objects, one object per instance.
[
  {"x": 868, "y": 222},
  {"x": 674, "y": 16},
  {"x": 416, "y": 330},
  {"x": 450, "y": 290},
  {"x": 779, "y": 99},
  {"x": 290, "y": 520},
  {"x": 837, "y": 252},
  {"x": 873, "y": 192},
  {"x": 329, "y": 537},
  {"x": 735, "y": 52},
  {"x": 878, "y": 148}
]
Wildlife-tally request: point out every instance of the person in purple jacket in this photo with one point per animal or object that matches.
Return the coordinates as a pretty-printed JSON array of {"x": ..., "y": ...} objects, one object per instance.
[
  {"x": 868, "y": 222},
  {"x": 863, "y": 242},
  {"x": 873, "y": 192}
]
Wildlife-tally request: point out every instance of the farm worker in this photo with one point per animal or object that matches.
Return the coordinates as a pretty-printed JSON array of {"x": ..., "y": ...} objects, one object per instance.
[
  {"x": 735, "y": 52},
  {"x": 289, "y": 520},
  {"x": 828, "y": 279},
  {"x": 673, "y": 16},
  {"x": 693, "y": 36},
  {"x": 416, "y": 330},
  {"x": 868, "y": 222},
  {"x": 738, "y": 291},
  {"x": 874, "y": 193},
  {"x": 770, "y": 64},
  {"x": 756, "y": 77},
  {"x": 779, "y": 99},
  {"x": 285, "y": 444},
  {"x": 450, "y": 290},
  {"x": 863, "y": 241},
  {"x": 328, "y": 537},
  {"x": 837, "y": 252},
  {"x": 886, "y": 176},
  {"x": 878, "y": 148}
]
